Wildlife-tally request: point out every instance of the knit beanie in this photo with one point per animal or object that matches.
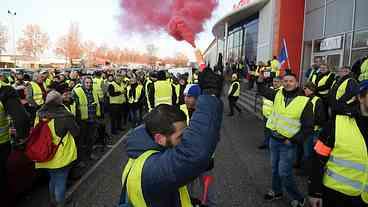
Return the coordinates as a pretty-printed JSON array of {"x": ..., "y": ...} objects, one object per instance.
[{"x": 54, "y": 97}]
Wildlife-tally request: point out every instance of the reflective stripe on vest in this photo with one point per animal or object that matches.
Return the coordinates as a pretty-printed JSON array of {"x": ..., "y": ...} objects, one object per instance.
[
  {"x": 267, "y": 107},
  {"x": 323, "y": 82},
  {"x": 237, "y": 92},
  {"x": 4, "y": 125},
  {"x": 347, "y": 167},
  {"x": 116, "y": 99},
  {"x": 364, "y": 71},
  {"x": 163, "y": 92},
  {"x": 177, "y": 91},
  {"x": 97, "y": 85},
  {"x": 146, "y": 94},
  {"x": 138, "y": 93},
  {"x": 285, "y": 120},
  {"x": 133, "y": 175},
  {"x": 342, "y": 90},
  {"x": 37, "y": 93},
  {"x": 83, "y": 103}
]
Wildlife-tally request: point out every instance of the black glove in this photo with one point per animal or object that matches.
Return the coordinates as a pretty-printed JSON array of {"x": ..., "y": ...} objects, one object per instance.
[{"x": 210, "y": 82}]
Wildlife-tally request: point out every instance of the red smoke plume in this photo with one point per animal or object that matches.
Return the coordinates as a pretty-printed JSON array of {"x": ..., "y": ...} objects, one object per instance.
[{"x": 182, "y": 19}]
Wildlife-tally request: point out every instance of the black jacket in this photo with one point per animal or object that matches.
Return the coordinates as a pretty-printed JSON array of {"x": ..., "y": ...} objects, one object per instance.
[{"x": 341, "y": 106}]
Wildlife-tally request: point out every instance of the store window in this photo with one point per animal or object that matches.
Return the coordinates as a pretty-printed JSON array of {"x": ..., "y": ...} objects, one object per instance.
[
  {"x": 360, "y": 39},
  {"x": 357, "y": 54},
  {"x": 346, "y": 60}
]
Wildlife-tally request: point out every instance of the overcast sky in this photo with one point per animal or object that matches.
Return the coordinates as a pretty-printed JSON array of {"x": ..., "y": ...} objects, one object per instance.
[{"x": 98, "y": 22}]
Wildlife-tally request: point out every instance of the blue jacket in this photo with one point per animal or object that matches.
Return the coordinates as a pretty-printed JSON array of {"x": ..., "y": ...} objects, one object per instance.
[{"x": 166, "y": 171}]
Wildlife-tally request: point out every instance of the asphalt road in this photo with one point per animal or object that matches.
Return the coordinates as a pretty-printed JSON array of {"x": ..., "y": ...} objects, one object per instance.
[{"x": 242, "y": 172}]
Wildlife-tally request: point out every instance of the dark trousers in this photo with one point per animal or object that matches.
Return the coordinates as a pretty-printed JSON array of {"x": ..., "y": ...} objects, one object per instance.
[
  {"x": 333, "y": 198},
  {"x": 87, "y": 138},
  {"x": 4, "y": 154},
  {"x": 116, "y": 113},
  {"x": 134, "y": 114},
  {"x": 252, "y": 80},
  {"x": 232, "y": 104},
  {"x": 125, "y": 113}
]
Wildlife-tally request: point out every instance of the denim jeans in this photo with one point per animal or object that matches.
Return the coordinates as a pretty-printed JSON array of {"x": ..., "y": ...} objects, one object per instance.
[
  {"x": 134, "y": 116},
  {"x": 57, "y": 183},
  {"x": 309, "y": 145},
  {"x": 267, "y": 134},
  {"x": 282, "y": 159}
]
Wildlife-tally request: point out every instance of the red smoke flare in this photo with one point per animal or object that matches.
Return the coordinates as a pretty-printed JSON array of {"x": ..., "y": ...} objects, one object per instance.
[{"x": 182, "y": 19}]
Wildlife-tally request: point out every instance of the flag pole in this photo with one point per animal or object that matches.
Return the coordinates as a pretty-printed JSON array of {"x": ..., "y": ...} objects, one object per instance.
[{"x": 287, "y": 54}]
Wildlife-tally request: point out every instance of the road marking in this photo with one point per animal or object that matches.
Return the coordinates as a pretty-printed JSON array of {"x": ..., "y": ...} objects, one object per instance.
[{"x": 75, "y": 186}]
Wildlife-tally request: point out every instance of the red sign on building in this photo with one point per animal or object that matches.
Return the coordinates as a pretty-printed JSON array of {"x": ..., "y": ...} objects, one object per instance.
[{"x": 241, "y": 4}]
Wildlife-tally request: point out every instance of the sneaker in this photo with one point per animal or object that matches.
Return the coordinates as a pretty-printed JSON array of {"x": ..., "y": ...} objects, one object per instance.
[
  {"x": 296, "y": 203},
  {"x": 271, "y": 196}
]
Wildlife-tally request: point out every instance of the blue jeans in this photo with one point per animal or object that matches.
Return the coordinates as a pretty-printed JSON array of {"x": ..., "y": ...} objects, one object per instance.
[
  {"x": 57, "y": 183},
  {"x": 134, "y": 115},
  {"x": 309, "y": 145},
  {"x": 282, "y": 159},
  {"x": 267, "y": 134}
]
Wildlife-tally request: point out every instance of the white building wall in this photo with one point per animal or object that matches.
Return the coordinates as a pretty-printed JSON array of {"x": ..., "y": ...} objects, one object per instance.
[{"x": 265, "y": 32}]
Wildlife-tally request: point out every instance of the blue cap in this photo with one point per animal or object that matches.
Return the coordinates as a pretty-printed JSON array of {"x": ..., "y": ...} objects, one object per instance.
[
  {"x": 363, "y": 86},
  {"x": 192, "y": 90}
]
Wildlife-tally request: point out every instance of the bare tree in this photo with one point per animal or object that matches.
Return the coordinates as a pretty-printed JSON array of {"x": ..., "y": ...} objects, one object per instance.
[
  {"x": 3, "y": 37},
  {"x": 151, "y": 53},
  {"x": 34, "y": 42},
  {"x": 70, "y": 45}
]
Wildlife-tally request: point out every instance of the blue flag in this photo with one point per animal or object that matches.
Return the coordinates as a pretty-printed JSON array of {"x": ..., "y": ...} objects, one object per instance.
[{"x": 283, "y": 57}]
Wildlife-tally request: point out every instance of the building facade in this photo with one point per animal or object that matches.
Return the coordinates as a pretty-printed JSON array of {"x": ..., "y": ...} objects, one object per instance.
[{"x": 331, "y": 31}]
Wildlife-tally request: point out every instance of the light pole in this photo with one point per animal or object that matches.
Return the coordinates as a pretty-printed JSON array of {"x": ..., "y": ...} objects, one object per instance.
[{"x": 13, "y": 14}]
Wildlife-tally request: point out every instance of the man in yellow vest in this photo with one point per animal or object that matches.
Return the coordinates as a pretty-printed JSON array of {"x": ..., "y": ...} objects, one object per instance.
[
  {"x": 10, "y": 105},
  {"x": 88, "y": 111},
  {"x": 267, "y": 108},
  {"x": 291, "y": 120},
  {"x": 313, "y": 73},
  {"x": 233, "y": 95},
  {"x": 275, "y": 66},
  {"x": 342, "y": 94},
  {"x": 134, "y": 94},
  {"x": 117, "y": 97},
  {"x": 364, "y": 70},
  {"x": 164, "y": 156},
  {"x": 339, "y": 170},
  {"x": 161, "y": 91},
  {"x": 35, "y": 94}
]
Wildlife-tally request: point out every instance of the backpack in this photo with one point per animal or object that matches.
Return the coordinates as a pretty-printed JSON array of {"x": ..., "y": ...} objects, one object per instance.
[{"x": 40, "y": 147}]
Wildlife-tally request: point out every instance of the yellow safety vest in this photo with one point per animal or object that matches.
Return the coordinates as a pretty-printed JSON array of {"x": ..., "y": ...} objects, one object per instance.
[
  {"x": 323, "y": 82},
  {"x": 146, "y": 94},
  {"x": 341, "y": 90},
  {"x": 37, "y": 94},
  {"x": 177, "y": 91},
  {"x": 313, "y": 77},
  {"x": 364, "y": 71},
  {"x": 163, "y": 92},
  {"x": 267, "y": 107},
  {"x": 117, "y": 99},
  {"x": 4, "y": 125},
  {"x": 66, "y": 152},
  {"x": 184, "y": 108},
  {"x": 347, "y": 167},
  {"x": 237, "y": 92},
  {"x": 97, "y": 85},
  {"x": 285, "y": 120},
  {"x": 314, "y": 102},
  {"x": 132, "y": 174},
  {"x": 275, "y": 65},
  {"x": 83, "y": 103},
  {"x": 138, "y": 93}
]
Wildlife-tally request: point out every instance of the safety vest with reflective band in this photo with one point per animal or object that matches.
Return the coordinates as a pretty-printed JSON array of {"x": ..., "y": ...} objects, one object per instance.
[
  {"x": 4, "y": 125},
  {"x": 275, "y": 65},
  {"x": 120, "y": 99},
  {"x": 37, "y": 94},
  {"x": 267, "y": 107},
  {"x": 364, "y": 71},
  {"x": 342, "y": 90},
  {"x": 323, "y": 82},
  {"x": 285, "y": 120},
  {"x": 146, "y": 94},
  {"x": 237, "y": 92},
  {"x": 83, "y": 103},
  {"x": 163, "y": 92},
  {"x": 313, "y": 77},
  {"x": 66, "y": 152},
  {"x": 314, "y": 102},
  {"x": 138, "y": 93},
  {"x": 97, "y": 86},
  {"x": 347, "y": 167},
  {"x": 132, "y": 174}
]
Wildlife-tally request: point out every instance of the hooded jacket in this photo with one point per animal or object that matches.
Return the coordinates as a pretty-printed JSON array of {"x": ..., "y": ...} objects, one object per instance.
[{"x": 171, "y": 168}]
